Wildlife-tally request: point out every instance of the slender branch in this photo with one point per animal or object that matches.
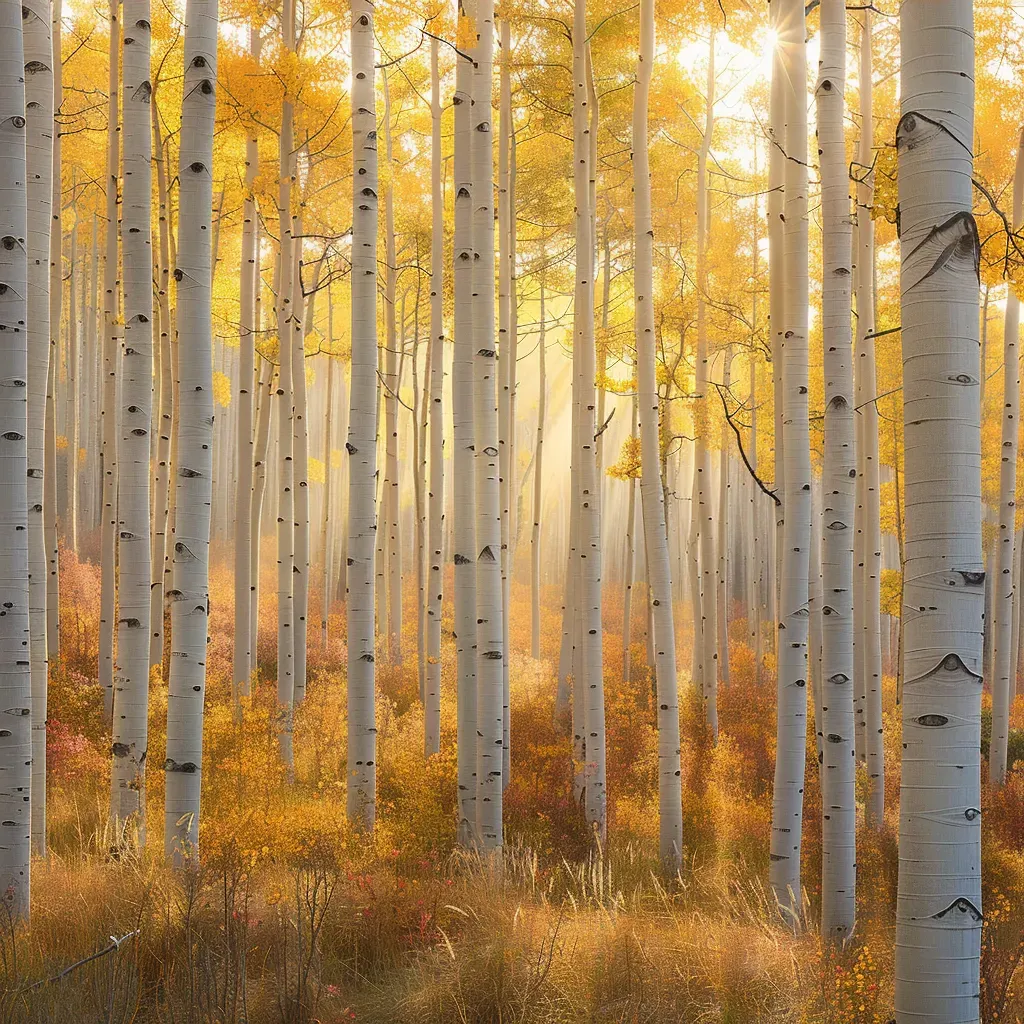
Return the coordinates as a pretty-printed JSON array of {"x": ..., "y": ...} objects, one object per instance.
[{"x": 739, "y": 444}]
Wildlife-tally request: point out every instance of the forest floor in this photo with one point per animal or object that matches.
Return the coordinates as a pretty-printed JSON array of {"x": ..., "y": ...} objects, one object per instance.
[{"x": 291, "y": 917}]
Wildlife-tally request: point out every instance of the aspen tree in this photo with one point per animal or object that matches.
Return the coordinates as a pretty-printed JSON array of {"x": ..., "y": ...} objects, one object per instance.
[
  {"x": 110, "y": 358},
  {"x": 838, "y": 882},
  {"x": 629, "y": 548},
  {"x": 867, "y": 637},
  {"x": 131, "y": 681},
  {"x": 167, "y": 386},
  {"x": 670, "y": 806},
  {"x": 538, "y": 468},
  {"x": 39, "y": 154},
  {"x": 435, "y": 511},
  {"x": 362, "y": 428},
  {"x": 1003, "y": 585},
  {"x": 723, "y": 529},
  {"x": 56, "y": 307},
  {"x": 76, "y": 323},
  {"x": 15, "y": 670},
  {"x": 326, "y": 552},
  {"x": 490, "y": 625},
  {"x": 190, "y": 596},
  {"x": 285, "y": 412},
  {"x": 787, "y": 801},
  {"x": 244, "y": 441},
  {"x": 938, "y": 905},
  {"x": 464, "y": 469}
]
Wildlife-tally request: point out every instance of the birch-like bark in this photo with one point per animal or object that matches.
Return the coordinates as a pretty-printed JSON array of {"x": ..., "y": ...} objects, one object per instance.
[
  {"x": 76, "y": 324},
  {"x": 787, "y": 804},
  {"x": 869, "y": 637},
  {"x": 167, "y": 386},
  {"x": 670, "y": 807},
  {"x": 190, "y": 596},
  {"x": 723, "y": 528},
  {"x": 241, "y": 672},
  {"x": 362, "y": 429},
  {"x": 111, "y": 350},
  {"x": 391, "y": 543},
  {"x": 490, "y": 621},
  {"x": 15, "y": 671},
  {"x": 464, "y": 512},
  {"x": 538, "y": 465},
  {"x": 326, "y": 524},
  {"x": 1003, "y": 584},
  {"x": 705, "y": 509},
  {"x": 56, "y": 307},
  {"x": 266, "y": 386},
  {"x": 629, "y": 552},
  {"x": 285, "y": 414},
  {"x": 131, "y": 680},
  {"x": 838, "y": 774},
  {"x": 435, "y": 510},
  {"x": 39, "y": 154},
  {"x": 938, "y": 903}
]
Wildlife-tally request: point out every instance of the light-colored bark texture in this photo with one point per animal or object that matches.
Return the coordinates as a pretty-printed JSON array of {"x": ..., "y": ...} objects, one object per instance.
[
  {"x": 435, "y": 504},
  {"x": 39, "y": 154},
  {"x": 788, "y": 795},
  {"x": 190, "y": 596},
  {"x": 1003, "y": 585},
  {"x": 464, "y": 490},
  {"x": 490, "y": 625},
  {"x": 362, "y": 430},
  {"x": 838, "y": 798},
  {"x": 131, "y": 678},
  {"x": 15, "y": 671},
  {"x": 938, "y": 903},
  {"x": 670, "y": 846},
  {"x": 538, "y": 467}
]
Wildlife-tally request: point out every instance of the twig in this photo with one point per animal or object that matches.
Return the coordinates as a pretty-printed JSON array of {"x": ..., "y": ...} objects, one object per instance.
[
  {"x": 739, "y": 444},
  {"x": 115, "y": 944}
]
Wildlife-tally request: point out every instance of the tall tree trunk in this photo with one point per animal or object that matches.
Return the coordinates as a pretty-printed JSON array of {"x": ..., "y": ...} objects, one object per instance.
[
  {"x": 464, "y": 469},
  {"x": 724, "y": 538},
  {"x": 285, "y": 414},
  {"x": 76, "y": 324},
  {"x": 108, "y": 409},
  {"x": 838, "y": 798},
  {"x": 705, "y": 509},
  {"x": 787, "y": 805},
  {"x": 266, "y": 388},
  {"x": 362, "y": 429},
  {"x": 538, "y": 467},
  {"x": 190, "y": 598},
  {"x": 1003, "y": 583},
  {"x": 167, "y": 386},
  {"x": 490, "y": 623},
  {"x": 56, "y": 307},
  {"x": 15, "y": 672},
  {"x": 435, "y": 511},
  {"x": 248, "y": 272},
  {"x": 670, "y": 807},
  {"x": 326, "y": 552},
  {"x": 39, "y": 150},
  {"x": 131, "y": 683},
  {"x": 869, "y": 638},
  {"x": 938, "y": 903},
  {"x": 629, "y": 560}
]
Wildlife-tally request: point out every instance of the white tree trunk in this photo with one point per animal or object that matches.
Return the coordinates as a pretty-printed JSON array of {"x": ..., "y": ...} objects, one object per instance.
[
  {"x": 938, "y": 903},
  {"x": 76, "y": 324},
  {"x": 435, "y": 511},
  {"x": 285, "y": 414},
  {"x": 706, "y": 512},
  {"x": 1003, "y": 585},
  {"x": 490, "y": 623},
  {"x": 326, "y": 523},
  {"x": 868, "y": 638},
  {"x": 838, "y": 798},
  {"x": 464, "y": 469},
  {"x": 670, "y": 808},
  {"x": 362, "y": 429},
  {"x": 131, "y": 682},
  {"x": 15, "y": 672},
  {"x": 787, "y": 806},
  {"x": 629, "y": 552},
  {"x": 39, "y": 150},
  {"x": 538, "y": 466},
  {"x": 111, "y": 350},
  {"x": 190, "y": 596},
  {"x": 722, "y": 531},
  {"x": 241, "y": 673},
  {"x": 167, "y": 385}
]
